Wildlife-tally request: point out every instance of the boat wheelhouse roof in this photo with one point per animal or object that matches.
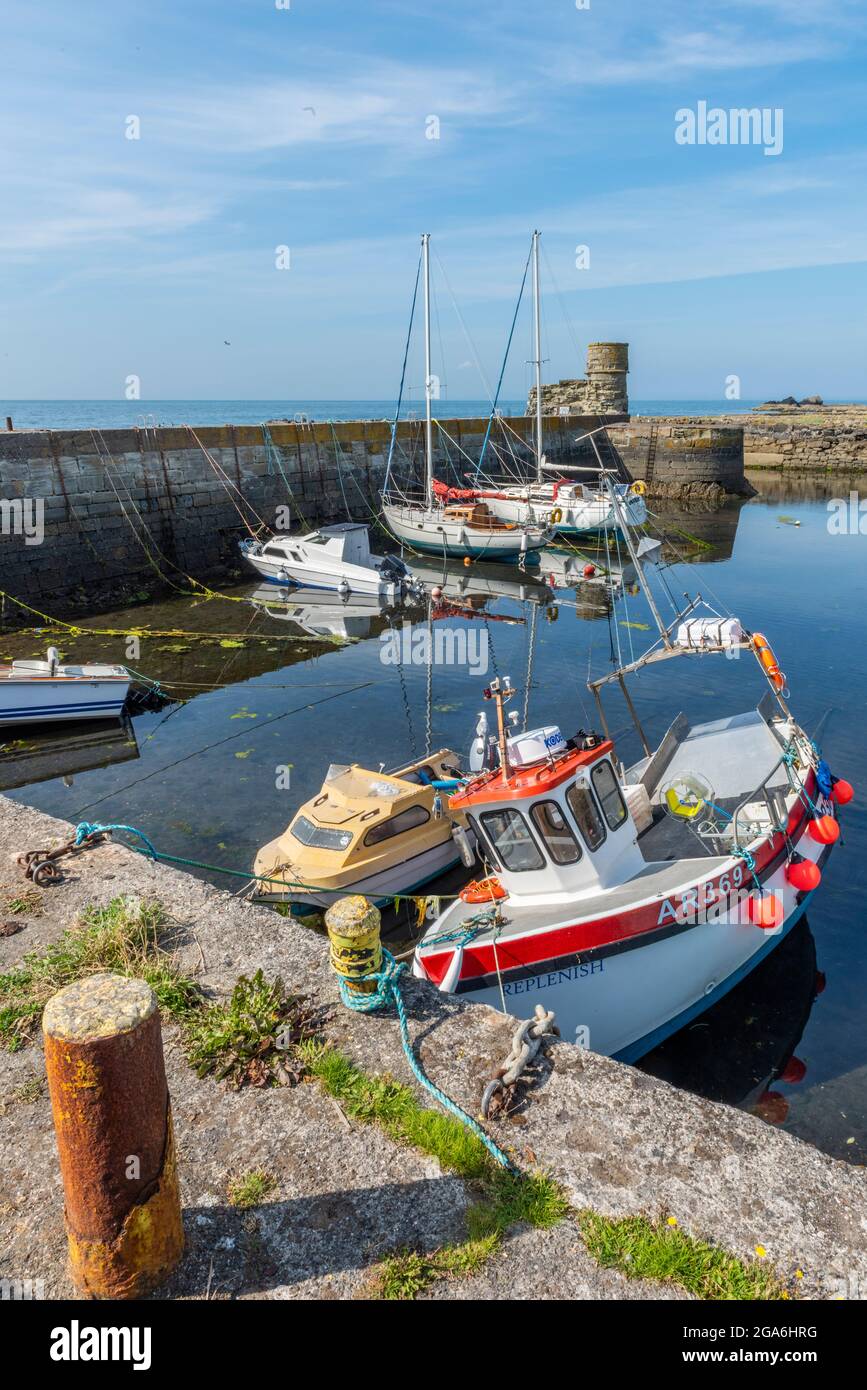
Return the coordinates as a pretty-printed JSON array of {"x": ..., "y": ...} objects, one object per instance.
[{"x": 524, "y": 782}]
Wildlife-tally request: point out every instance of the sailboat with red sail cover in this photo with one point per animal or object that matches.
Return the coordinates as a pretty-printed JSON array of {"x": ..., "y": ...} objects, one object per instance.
[{"x": 629, "y": 898}]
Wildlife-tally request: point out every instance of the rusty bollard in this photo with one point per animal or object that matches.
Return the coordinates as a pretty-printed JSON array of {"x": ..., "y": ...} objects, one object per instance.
[
  {"x": 112, "y": 1119},
  {"x": 353, "y": 931}
]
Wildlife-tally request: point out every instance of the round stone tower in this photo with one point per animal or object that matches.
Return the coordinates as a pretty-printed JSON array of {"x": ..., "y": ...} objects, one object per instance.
[{"x": 607, "y": 365}]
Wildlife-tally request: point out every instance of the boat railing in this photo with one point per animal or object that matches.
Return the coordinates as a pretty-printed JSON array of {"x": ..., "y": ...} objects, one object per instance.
[{"x": 773, "y": 797}]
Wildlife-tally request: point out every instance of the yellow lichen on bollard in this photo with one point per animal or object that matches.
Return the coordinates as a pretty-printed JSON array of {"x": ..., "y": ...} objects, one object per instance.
[
  {"x": 353, "y": 931},
  {"x": 112, "y": 1119}
]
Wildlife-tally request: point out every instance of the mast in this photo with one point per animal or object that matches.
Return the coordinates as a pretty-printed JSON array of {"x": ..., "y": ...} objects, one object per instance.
[
  {"x": 428, "y": 426},
  {"x": 623, "y": 523},
  {"x": 537, "y": 330}
]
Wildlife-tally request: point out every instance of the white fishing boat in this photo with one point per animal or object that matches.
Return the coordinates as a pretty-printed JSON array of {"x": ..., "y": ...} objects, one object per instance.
[
  {"x": 629, "y": 898},
  {"x": 461, "y": 528},
  {"x": 570, "y": 508},
  {"x": 335, "y": 557},
  {"x": 39, "y": 692}
]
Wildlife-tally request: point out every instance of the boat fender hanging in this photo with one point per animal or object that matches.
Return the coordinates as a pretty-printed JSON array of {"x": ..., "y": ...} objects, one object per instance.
[
  {"x": 449, "y": 981},
  {"x": 589, "y": 571},
  {"x": 766, "y": 911},
  {"x": 437, "y": 807},
  {"x": 824, "y": 830},
  {"x": 841, "y": 791},
  {"x": 483, "y": 890},
  {"x": 803, "y": 874},
  {"x": 462, "y": 840}
]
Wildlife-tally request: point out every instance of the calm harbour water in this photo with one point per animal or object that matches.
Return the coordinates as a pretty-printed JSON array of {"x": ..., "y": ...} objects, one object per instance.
[{"x": 201, "y": 779}]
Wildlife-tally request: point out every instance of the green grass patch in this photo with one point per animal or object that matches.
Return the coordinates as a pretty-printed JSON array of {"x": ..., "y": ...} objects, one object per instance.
[
  {"x": 28, "y": 903},
  {"x": 408, "y": 1273},
  {"x": 253, "y": 1038},
  {"x": 505, "y": 1198},
  {"x": 383, "y": 1101},
  {"x": 645, "y": 1249},
  {"x": 246, "y": 1190},
  {"x": 126, "y": 937}
]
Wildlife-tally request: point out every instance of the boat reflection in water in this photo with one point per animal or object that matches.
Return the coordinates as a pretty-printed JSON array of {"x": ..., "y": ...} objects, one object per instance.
[
  {"x": 322, "y": 613},
  {"x": 64, "y": 752},
  {"x": 740, "y": 1047},
  {"x": 482, "y": 580}
]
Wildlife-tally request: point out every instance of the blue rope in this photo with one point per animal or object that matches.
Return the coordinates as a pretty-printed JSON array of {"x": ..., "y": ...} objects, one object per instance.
[
  {"x": 388, "y": 992},
  {"x": 86, "y": 829}
]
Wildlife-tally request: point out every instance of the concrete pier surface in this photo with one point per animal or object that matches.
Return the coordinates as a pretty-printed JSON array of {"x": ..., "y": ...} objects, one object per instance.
[{"x": 346, "y": 1196}]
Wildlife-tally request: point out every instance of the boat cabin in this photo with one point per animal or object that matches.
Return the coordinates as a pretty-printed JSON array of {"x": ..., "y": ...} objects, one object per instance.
[
  {"x": 477, "y": 515},
  {"x": 347, "y": 542},
  {"x": 556, "y": 827}
]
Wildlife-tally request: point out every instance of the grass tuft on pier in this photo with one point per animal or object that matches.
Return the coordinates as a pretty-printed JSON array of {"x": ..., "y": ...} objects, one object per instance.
[
  {"x": 247, "y": 1190},
  {"x": 645, "y": 1249},
  {"x": 253, "y": 1038},
  {"x": 125, "y": 937}
]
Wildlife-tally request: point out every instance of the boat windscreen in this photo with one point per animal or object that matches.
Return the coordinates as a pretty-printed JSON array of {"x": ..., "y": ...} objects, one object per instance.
[{"x": 319, "y": 836}]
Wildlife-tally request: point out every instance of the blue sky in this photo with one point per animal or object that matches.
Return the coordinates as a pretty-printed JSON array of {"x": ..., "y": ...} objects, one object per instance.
[{"x": 306, "y": 127}]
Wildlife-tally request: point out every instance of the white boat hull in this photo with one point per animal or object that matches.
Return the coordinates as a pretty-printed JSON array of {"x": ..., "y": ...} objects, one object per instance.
[
  {"x": 308, "y": 576},
  {"x": 380, "y": 888},
  {"x": 432, "y": 533},
  {"x": 51, "y": 700},
  {"x": 578, "y": 516},
  {"x": 624, "y": 1003}
]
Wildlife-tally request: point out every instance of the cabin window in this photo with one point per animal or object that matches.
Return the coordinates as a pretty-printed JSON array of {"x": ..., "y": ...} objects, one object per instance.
[
  {"x": 511, "y": 838},
  {"x": 319, "y": 836},
  {"x": 587, "y": 817},
  {"x": 395, "y": 825},
  {"x": 483, "y": 843},
  {"x": 554, "y": 831},
  {"x": 608, "y": 792}
]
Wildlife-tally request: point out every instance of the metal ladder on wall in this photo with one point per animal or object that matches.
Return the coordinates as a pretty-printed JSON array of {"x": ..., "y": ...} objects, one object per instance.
[{"x": 651, "y": 454}]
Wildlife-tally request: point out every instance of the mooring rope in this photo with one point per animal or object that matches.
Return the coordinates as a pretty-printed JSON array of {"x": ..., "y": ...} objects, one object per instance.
[{"x": 387, "y": 992}]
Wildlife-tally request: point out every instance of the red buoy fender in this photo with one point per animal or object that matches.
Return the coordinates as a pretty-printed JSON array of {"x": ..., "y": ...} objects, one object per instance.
[
  {"x": 803, "y": 874},
  {"x": 766, "y": 911},
  {"x": 824, "y": 830},
  {"x": 842, "y": 792}
]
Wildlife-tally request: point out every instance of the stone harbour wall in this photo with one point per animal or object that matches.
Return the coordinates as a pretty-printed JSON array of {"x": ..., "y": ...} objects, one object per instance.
[{"x": 120, "y": 511}]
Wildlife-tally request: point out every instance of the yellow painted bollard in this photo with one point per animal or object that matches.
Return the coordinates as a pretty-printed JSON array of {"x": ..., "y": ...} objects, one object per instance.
[
  {"x": 113, "y": 1123},
  {"x": 353, "y": 932}
]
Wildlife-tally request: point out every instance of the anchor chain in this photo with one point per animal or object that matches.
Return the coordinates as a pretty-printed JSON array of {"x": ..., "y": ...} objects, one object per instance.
[{"x": 501, "y": 1093}]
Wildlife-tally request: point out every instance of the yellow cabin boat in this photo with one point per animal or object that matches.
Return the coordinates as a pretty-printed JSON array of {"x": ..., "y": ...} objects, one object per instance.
[{"x": 376, "y": 833}]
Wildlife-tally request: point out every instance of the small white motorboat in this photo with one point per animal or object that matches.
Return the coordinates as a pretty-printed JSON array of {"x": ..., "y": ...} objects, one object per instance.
[
  {"x": 35, "y": 692},
  {"x": 335, "y": 557}
]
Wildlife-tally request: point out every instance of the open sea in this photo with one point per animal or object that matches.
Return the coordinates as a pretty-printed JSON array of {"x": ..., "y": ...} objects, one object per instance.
[{"x": 123, "y": 414}]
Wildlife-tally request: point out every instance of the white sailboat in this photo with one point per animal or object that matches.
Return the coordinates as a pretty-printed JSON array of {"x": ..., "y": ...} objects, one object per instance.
[
  {"x": 570, "y": 507},
  {"x": 466, "y": 527}
]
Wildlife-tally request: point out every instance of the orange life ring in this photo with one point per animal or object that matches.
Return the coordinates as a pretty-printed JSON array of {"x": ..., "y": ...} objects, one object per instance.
[
  {"x": 483, "y": 890},
  {"x": 763, "y": 651}
]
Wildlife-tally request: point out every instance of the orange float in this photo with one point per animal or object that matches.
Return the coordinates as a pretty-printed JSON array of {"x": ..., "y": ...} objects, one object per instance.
[{"x": 483, "y": 890}]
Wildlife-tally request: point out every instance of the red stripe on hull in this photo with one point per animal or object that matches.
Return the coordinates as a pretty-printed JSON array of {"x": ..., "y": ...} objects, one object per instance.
[{"x": 538, "y": 947}]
